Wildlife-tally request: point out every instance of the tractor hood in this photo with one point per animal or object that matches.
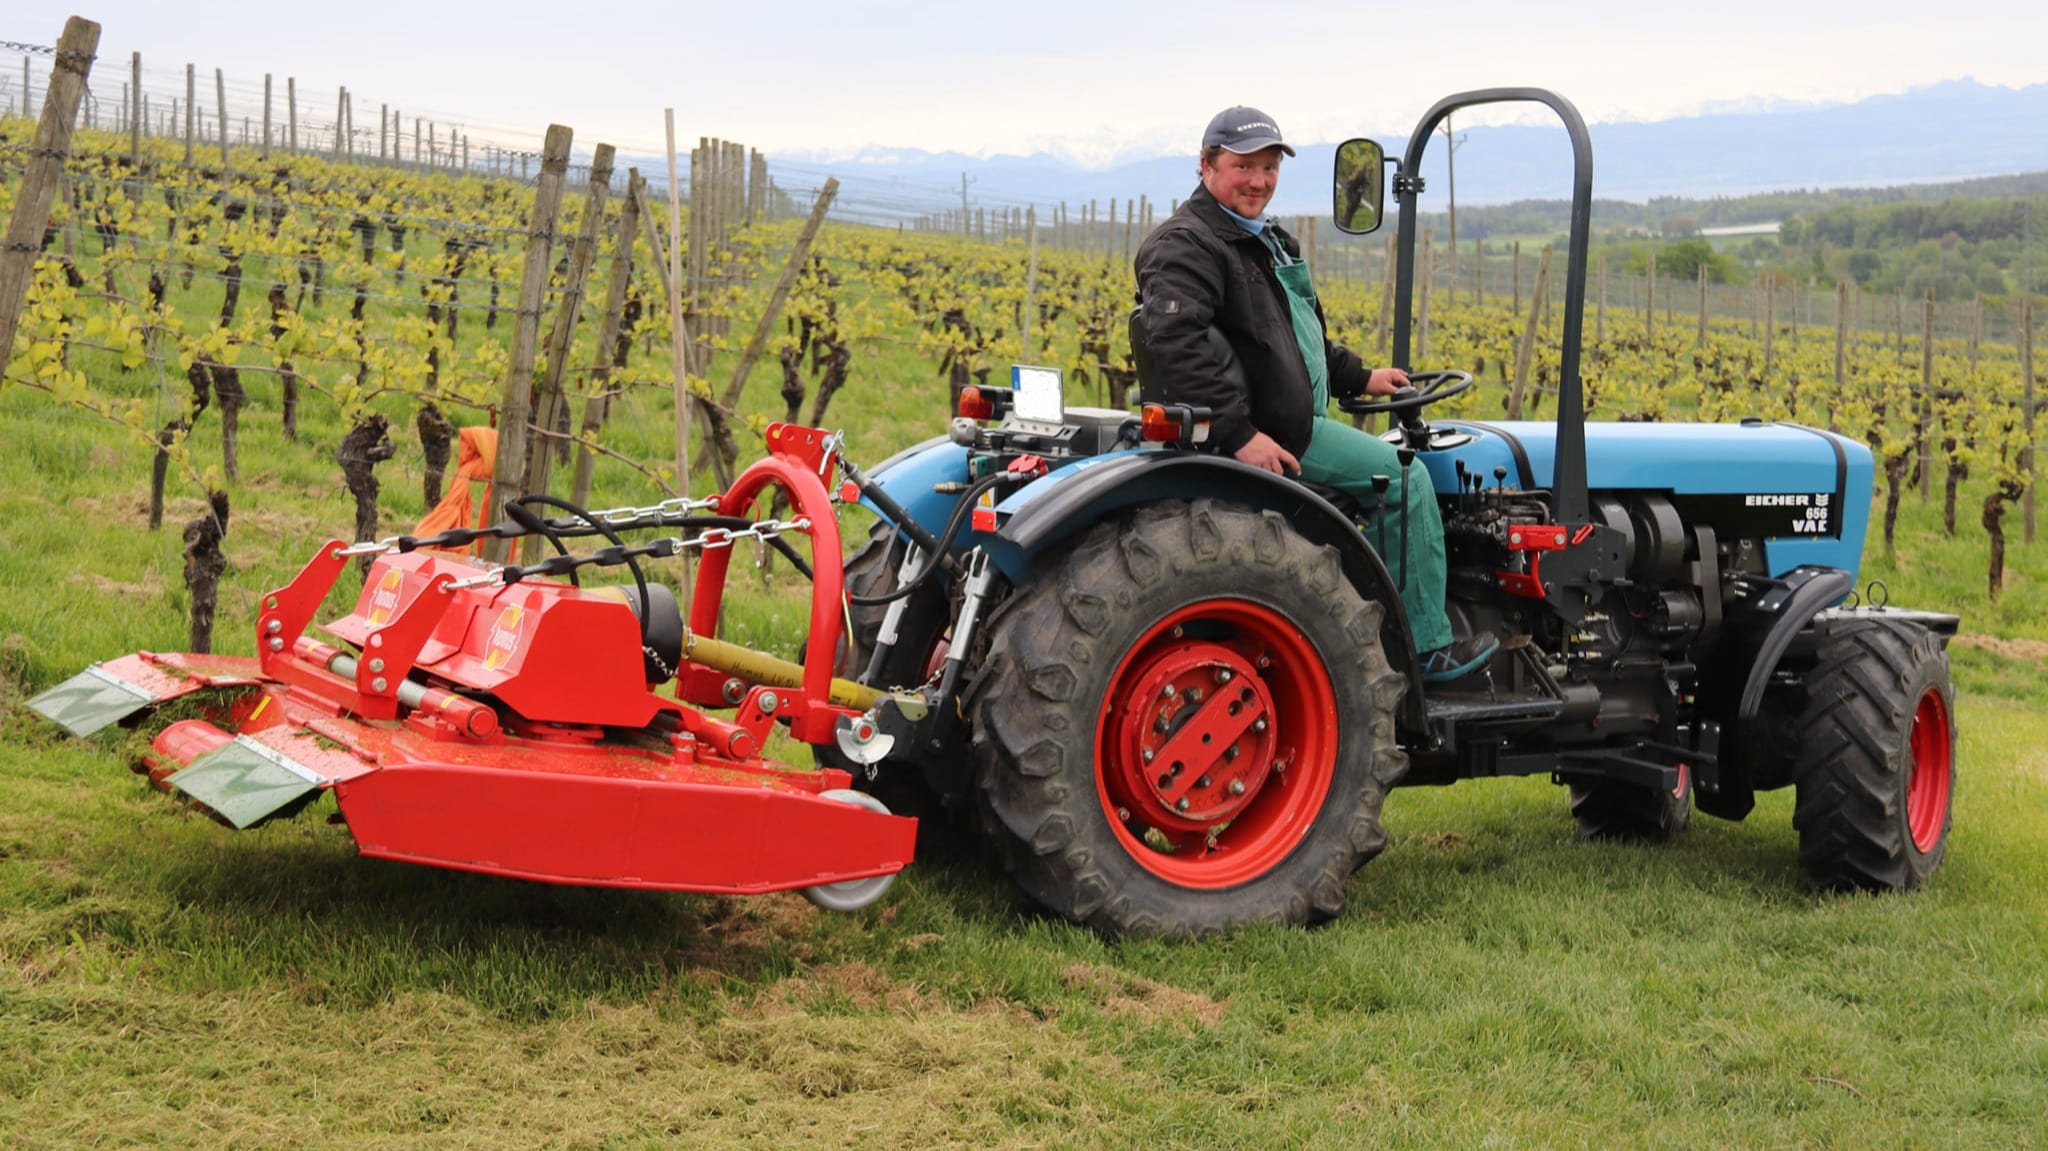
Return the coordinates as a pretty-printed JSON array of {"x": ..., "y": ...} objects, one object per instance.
[{"x": 1804, "y": 492}]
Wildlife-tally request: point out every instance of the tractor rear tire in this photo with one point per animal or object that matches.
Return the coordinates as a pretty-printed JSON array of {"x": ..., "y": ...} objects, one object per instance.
[
  {"x": 1609, "y": 809},
  {"x": 1185, "y": 723},
  {"x": 1876, "y": 776}
]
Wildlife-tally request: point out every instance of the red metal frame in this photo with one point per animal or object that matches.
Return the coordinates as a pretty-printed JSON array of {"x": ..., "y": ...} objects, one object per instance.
[{"x": 528, "y": 745}]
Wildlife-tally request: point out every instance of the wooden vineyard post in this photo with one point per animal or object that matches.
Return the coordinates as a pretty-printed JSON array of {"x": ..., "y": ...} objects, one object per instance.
[
  {"x": 1424, "y": 273},
  {"x": 2026, "y": 386},
  {"x": 508, "y": 478},
  {"x": 679, "y": 333},
  {"x": 1841, "y": 349},
  {"x": 597, "y": 405},
  {"x": 1386, "y": 317},
  {"x": 552, "y": 411},
  {"x": 291, "y": 113},
  {"x": 1027, "y": 338},
  {"x": 1600, "y": 307},
  {"x": 1699, "y": 339},
  {"x": 266, "y": 116},
  {"x": 1924, "y": 433},
  {"x": 1649, "y": 299},
  {"x": 190, "y": 105},
  {"x": 46, "y": 157},
  {"x": 1770, "y": 316},
  {"x": 220, "y": 104},
  {"x": 1525, "y": 352},
  {"x": 135, "y": 116},
  {"x": 772, "y": 313},
  {"x": 1518, "y": 278}
]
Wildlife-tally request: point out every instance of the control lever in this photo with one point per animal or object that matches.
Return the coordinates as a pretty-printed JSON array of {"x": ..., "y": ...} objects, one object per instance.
[
  {"x": 1407, "y": 457},
  {"x": 1380, "y": 484}
]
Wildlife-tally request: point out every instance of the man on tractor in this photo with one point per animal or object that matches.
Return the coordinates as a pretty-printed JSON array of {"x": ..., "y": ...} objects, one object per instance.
[{"x": 1221, "y": 262}]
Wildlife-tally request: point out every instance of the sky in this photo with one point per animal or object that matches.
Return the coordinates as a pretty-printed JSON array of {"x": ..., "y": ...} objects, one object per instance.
[{"x": 1096, "y": 82}]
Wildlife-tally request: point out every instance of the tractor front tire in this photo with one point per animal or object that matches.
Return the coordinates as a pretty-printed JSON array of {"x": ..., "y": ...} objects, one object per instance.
[
  {"x": 1876, "y": 774},
  {"x": 1184, "y": 723},
  {"x": 1609, "y": 809}
]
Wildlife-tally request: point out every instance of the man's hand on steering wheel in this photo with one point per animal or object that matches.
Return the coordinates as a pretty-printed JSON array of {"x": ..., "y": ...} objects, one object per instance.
[{"x": 1386, "y": 381}]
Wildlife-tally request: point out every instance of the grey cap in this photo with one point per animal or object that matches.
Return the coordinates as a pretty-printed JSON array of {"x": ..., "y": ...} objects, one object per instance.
[{"x": 1241, "y": 130}]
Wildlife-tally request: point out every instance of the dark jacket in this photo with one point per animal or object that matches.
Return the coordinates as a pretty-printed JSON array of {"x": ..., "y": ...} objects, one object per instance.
[{"x": 1201, "y": 268}]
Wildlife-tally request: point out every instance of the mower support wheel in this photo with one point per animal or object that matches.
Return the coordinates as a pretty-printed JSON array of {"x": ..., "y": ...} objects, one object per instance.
[
  {"x": 851, "y": 894},
  {"x": 1186, "y": 722},
  {"x": 1876, "y": 773}
]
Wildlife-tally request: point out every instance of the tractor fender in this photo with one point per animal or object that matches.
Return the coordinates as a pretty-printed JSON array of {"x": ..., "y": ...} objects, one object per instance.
[
  {"x": 910, "y": 475},
  {"x": 1789, "y": 606},
  {"x": 1076, "y": 497},
  {"x": 1758, "y": 633}
]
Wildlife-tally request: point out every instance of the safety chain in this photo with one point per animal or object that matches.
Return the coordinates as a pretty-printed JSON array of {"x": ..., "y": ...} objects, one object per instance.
[
  {"x": 713, "y": 538},
  {"x": 668, "y": 507}
]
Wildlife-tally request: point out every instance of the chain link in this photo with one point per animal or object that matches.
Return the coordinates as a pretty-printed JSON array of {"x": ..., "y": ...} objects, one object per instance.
[
  {"x": 31, "y": 49},
  {"x": 765, "y": 530}
]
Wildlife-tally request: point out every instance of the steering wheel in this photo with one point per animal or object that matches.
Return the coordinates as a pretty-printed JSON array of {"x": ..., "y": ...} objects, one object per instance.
[{"x": 1423, "y": 388}]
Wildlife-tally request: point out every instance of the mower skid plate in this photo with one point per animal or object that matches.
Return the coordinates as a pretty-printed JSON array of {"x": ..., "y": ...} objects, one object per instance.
[
  {"x": 699, "y": 829},
  {"x": 107, "y": 693}
]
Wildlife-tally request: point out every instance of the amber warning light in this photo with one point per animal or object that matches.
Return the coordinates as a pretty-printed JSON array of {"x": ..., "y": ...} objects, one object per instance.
[{"x": 1172, "y": 423}]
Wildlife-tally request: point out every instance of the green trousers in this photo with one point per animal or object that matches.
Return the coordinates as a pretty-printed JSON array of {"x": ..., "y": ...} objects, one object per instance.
[{"x": 1341, "y": 456}]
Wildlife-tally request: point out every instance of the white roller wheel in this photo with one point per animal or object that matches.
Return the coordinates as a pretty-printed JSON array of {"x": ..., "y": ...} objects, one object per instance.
[{"x": 851, "y": 894}]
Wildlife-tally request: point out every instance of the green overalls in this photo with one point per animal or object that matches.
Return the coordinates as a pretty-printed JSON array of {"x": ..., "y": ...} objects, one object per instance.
[{"x": 1343, "y": 457}]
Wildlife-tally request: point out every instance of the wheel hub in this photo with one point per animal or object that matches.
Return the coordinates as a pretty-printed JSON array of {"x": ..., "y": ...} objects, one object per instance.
[{"x": 1198, "y": 743}]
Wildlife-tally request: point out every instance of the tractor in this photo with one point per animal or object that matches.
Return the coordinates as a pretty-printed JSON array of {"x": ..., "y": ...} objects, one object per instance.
[
  {"x": 1175, "y": 690},
  {"x": 1170, "y": 690}
]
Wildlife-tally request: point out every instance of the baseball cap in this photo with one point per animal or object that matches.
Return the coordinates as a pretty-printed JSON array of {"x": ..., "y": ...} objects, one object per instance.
[{"x": 1241, "y": 130}]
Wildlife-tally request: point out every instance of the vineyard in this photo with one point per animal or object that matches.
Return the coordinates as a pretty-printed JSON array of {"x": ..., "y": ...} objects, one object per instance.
[
  {"x": 362, "y": 317},
  {"x": 219, "y": 365}
]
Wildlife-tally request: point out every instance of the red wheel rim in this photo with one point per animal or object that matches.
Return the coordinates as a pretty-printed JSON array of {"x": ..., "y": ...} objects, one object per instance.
[
  {"x": 1933, "y": 771},
  {"x": 1237, "y": 711}
]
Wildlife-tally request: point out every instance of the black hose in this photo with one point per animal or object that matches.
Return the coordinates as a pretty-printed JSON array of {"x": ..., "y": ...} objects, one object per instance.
[
  {"x": 632, "y": 565},
  {"x": 961, "y": 510}
]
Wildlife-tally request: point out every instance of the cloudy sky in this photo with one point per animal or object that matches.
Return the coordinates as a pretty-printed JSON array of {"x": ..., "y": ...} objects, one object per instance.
[{"x": 1095, "y": 81}]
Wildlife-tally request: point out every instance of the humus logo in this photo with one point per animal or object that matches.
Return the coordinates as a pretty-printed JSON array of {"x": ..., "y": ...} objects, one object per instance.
[
  {"x": 504, "y": 641},
  {"x": 384, "y": 601}
]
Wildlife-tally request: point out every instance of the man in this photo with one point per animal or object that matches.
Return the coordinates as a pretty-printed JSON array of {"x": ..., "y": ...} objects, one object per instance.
[{"x": 1221, "y": 261}]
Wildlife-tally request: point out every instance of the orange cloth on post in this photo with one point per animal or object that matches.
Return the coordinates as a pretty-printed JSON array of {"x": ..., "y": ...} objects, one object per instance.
[{"x": 459, "y": 508}]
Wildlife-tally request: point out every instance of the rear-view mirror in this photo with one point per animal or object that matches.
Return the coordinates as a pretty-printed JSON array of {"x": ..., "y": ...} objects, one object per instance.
[{"x": 1360, "y": 186}]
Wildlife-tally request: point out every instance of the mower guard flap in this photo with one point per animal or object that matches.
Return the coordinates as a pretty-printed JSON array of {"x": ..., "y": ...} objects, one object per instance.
[
  {"x": 107, "y": 693},
  {"x": 244, "y": 783}
]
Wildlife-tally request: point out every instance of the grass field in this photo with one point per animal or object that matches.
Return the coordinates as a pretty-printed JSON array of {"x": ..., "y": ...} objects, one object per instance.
[{"x": 1494, "y": 983}]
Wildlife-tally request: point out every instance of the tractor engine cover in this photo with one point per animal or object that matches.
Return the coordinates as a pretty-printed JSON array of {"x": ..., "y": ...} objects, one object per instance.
[{"x": 1804, "y": 492}]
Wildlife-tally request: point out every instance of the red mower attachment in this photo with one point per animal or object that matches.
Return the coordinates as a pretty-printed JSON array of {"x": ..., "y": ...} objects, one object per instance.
[{"x": 482, "y": 718}]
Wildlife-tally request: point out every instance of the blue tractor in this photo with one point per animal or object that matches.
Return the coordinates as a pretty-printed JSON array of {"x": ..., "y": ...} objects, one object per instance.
[{"x": 1175, "y": 690}]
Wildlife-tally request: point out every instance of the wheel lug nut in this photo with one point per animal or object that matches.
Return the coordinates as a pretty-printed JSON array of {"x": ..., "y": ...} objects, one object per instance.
[
  {"x": 1264, "y": 662},
  {"x": 1177, "y": 631},
  {"x": 1194, "y": 695},
  {"x": 1202, "y": 782},
  {"x": 1149, "y": 755},
  {"x": 1258, "y": 725},
  {"x": 1123, "y": 814},
  {"x": 1237, "y": 787},
  {"x": 1222, "y": 675},
  {"x": 1169, "y": 692},
  {"x": 1182, "y": 805},
  {"x": 1230, "y": 754}
]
